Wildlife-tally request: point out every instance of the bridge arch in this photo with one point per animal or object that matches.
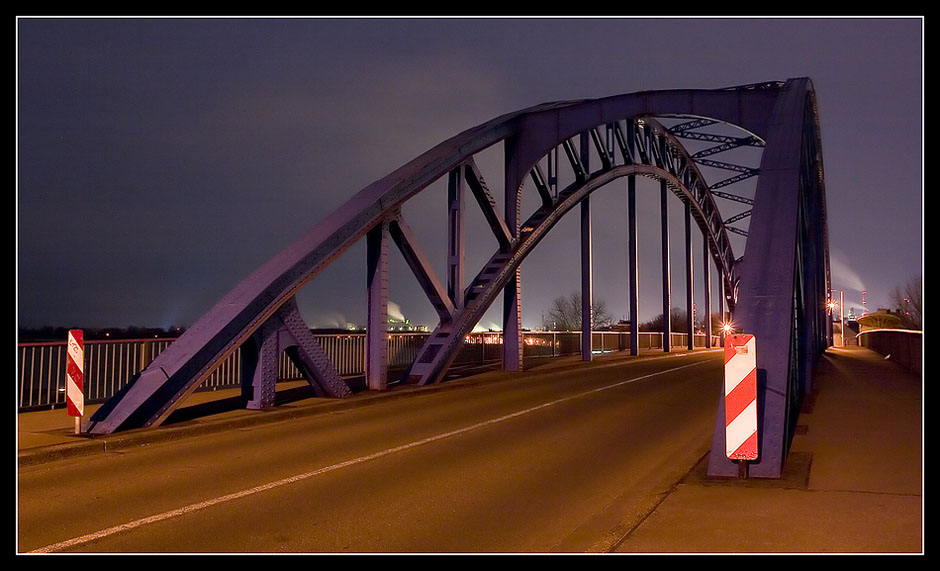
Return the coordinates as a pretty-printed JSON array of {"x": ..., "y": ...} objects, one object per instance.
[
  {"x": 620, "y": 135},
  {"x": 491, "y": 280}
]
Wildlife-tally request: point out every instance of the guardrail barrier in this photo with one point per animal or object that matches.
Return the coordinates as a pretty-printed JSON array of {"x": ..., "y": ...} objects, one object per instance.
[{"x": 110, "y": 364}]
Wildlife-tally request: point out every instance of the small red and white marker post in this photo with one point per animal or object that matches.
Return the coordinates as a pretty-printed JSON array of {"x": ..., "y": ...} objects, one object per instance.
[
  {"x": 741, "y": 400},
  {"x": 74, "y": 374}
]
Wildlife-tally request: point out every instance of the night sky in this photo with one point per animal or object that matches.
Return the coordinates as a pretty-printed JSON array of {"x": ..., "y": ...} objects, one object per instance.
[{"x": 161, "y": 161}]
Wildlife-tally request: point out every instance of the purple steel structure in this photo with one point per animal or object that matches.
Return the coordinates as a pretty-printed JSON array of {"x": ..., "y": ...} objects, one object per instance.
[
  {"x": 780, "y": 283},
  {"x": 784, "y": 277}
]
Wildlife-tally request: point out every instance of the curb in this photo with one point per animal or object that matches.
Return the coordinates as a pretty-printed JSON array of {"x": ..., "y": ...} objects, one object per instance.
[
  {"x": 145, "y": 436},
  {"x": 91, "y": 445}
]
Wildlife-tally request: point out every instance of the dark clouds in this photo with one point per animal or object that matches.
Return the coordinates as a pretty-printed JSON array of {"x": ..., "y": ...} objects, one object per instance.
[{"x": 160, "y": 161}]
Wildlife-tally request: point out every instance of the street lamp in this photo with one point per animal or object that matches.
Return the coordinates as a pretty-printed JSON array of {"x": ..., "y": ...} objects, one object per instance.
[
  {"x": 726, "y": 329},
  {"x": 841, "y": 305}
]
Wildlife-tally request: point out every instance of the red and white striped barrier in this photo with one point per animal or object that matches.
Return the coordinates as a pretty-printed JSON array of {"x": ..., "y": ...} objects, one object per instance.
[
  {"x": 74, "y": 374},
  {"x": 741, "y": 397}
]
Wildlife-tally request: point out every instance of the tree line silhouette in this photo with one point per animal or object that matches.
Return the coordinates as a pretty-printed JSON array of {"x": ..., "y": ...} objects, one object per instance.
[{"x": 58, "y": 333}]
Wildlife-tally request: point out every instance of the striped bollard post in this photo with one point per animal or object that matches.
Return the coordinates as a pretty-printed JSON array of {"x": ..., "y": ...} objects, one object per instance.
[
  {"x": 741, "y": 400},
  {"x": 74, "y": 373}
]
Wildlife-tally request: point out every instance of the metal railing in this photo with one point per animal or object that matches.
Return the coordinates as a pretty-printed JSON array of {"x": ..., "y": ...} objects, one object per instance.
[
  {"x": 109, "y": 365},
  {"x": 904, "y": 346}
]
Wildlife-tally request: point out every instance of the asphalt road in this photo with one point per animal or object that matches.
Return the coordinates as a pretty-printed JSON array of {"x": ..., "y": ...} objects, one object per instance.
[{"x": 534, "y": 462}]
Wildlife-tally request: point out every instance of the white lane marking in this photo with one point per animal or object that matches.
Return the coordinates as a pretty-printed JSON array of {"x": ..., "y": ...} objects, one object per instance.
[{"x": 306, "y": 475}]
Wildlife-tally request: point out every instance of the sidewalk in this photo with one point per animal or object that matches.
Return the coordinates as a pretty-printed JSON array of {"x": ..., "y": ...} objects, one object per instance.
[{"x": 853, "y": 481}]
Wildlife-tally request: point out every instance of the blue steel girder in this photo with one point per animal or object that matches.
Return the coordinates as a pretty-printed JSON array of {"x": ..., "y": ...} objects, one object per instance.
[
  {"x": 784, "y": 279},
  {"x": 286, "y": 332},
  {"x": 441, "y": 348},
  {"x": 685, "y": 130},
  {"x": 734, "y": 197},
  {"x": 528, "y": 137},
  {"x": 737, "y": 178},
  {"x": 689, "y": 125},
  {"x": 737, "y": 217},
  {"x": 421, "y": 267},
  {"x": 727, "y": 143},
  {"x": 652, "y": 143},
  {"x": 487, "y": 204}
]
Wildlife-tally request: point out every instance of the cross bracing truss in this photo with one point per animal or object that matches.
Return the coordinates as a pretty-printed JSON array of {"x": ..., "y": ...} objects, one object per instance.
[
  {"x": 687, "y": 130},
  {"x": 592, "y": 142}
]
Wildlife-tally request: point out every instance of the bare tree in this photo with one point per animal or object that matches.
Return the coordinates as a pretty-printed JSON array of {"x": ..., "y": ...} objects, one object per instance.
[
  {"x": 677, "y": 322},
  {"x": 907, "y": 300},
  {"x": 565, "y": 314}
]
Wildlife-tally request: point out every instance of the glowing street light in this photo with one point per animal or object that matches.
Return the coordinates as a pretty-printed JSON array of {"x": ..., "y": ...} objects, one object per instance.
[{"x": 841, "y": 306}]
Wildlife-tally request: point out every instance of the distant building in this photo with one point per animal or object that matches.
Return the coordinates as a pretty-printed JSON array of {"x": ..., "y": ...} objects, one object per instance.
[
  {"x": 622, "y": 325},
  {"x": 881, "y": 319},
  {"x": 406, "y": 326}
]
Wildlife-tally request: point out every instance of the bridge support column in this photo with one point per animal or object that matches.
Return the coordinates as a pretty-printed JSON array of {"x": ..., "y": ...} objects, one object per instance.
[
  {"x": 722, "y": 299},
  {"x": 286, "y": 332},
  {"x": 455, "y": 247},
  {"x": 512, "y": 294},
  {"x": 259, "y": 367},
  {"x": 632, "y": 276},
  {"x": 587, "y": 269},
  {"x": 377, "y": 318},
  {"x": 689, "y": 301},
  {"x": 587, "y": 278},
  {"x": 512, "y": 324},
  {"x": 707, "y": 290},
  {"x": 667, "y": 285},
  {"x": 773, "y": 302}
]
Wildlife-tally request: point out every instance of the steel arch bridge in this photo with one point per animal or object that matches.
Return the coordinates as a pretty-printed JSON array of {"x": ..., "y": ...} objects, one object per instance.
[{"x": 776, "y": 291}]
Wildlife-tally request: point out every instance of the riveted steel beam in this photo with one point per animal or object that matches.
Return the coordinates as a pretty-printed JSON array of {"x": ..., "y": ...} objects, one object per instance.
[
  {"x": 455, "y": 238},
  {"x": 307, "y": 355},
  {"x": 541, "y": 186},
  {"x": 689, "y": 286},
  {"x": 667, "y": 279},
  {"x": 286, "y": 332},
  {"x": 735, "y": 179},
  {"x": 784, "y": 274},
  {"x": 734, "y": 197},
  {"x": 377, "y": 306},
  {"x": 707, "y": 294},
  {"x": 693, "y": 124},
  {"x": 587, "y": 265},
  {"x": 488, "y": 205},
  {"x": 726, "y": 166},
  {"x": 421, "y": 268},
  {"x": 738, "y": 217}
]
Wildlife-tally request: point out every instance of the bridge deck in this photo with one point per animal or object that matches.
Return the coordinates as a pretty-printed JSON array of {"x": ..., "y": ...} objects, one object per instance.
[{"x": 853, "y": 480}]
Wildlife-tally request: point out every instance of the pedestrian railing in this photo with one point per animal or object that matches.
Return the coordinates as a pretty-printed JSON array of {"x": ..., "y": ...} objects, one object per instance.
[
  {"x": 904, "y": 346},
  {"x": 109, "y": 365}
]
